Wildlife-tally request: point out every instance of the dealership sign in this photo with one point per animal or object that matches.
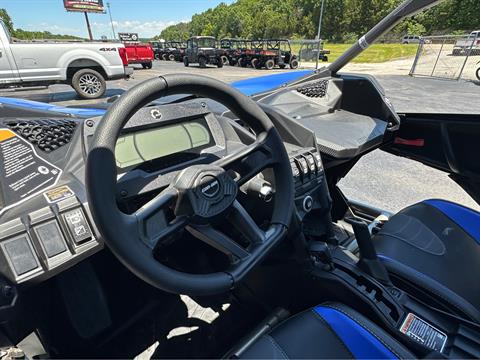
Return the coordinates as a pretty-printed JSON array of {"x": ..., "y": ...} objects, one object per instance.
[
  {"x": 128, "y": 37},
  {"x": 84, "y": 5}
]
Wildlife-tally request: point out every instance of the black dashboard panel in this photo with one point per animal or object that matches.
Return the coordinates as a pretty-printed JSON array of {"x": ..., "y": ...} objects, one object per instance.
[{"x": 349, "y": 115}]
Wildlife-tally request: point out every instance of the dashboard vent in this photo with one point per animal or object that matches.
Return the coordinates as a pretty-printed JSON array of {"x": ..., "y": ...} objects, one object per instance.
[
  {"x": 317, "y": 89},
  {"x": 46, "y": 134}
]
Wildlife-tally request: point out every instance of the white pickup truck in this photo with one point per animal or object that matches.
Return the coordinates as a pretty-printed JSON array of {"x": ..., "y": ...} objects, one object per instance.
[
  {"x": 83, "y": 65},
  {"x": 468, "y": 45}
]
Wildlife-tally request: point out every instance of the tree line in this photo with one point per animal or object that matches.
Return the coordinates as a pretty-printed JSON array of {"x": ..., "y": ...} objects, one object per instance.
[
  {"x": 29, "y": 35},
  {"x": 343, "y": 21}
]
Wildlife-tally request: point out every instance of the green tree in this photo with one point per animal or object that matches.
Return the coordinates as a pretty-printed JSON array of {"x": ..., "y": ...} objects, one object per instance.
[{"x": 7, "y": 20}]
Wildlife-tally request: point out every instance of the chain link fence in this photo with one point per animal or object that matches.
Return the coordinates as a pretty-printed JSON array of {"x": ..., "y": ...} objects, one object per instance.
[{"x": 448, "y": 57}]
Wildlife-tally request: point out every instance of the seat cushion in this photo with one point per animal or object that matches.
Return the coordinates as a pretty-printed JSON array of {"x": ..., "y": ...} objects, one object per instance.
[
  {"x": 329, "y": 331},
  {"x": 436, "y": 245}
]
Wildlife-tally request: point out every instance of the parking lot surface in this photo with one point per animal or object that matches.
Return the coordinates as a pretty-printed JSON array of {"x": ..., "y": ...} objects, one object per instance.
[{"x": 383, "y": 180}]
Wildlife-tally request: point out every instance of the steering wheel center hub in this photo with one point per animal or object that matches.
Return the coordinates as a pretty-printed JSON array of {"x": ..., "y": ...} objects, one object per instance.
[{"x": 204, "y": 192}]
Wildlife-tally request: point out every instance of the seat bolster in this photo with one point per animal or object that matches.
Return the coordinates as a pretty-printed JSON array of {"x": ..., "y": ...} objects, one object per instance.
[
  {"x": 363, "y": 337},
  {"x": 467, "y": 219},
  {"x": 328, "y": 331}
]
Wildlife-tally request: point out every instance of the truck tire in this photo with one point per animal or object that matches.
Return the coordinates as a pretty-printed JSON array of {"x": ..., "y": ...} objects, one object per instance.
[
  {"x": 164, "y": 57},
  {"x": 293, "y": 64},
  {"x": 185, "y": 61},
  {"x": 254, "y": 63},
  {"x": 89, "y": 84},
  {"x": 202, "y": 62},
  {"x": 144, "y": 65},
  {"x": 171, "y": 57},
  {"x": 157, "y": 56},
  {"x": 225, "y": 60},
  {"x": 149, "y": 65},
  {"x": 269, "y": 64},
  {"x": 220, "y": 63},
  {"x": 478, "y": 74}
]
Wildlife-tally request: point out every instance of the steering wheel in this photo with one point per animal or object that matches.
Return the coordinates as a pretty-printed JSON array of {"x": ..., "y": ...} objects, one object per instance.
[{"x": 199, "y": 195}]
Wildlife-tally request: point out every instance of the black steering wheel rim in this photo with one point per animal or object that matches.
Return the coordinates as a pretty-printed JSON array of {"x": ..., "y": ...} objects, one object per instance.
[{"x": 101, "y": 177}]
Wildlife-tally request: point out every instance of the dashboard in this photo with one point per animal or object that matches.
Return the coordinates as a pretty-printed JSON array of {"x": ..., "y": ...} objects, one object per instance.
[{"x": 45, "y": 222}]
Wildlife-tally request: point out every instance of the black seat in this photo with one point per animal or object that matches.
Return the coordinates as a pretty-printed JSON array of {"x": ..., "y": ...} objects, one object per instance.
[
  {"x": 435, "y": 246},
  {"x": 329, "y": 331}
]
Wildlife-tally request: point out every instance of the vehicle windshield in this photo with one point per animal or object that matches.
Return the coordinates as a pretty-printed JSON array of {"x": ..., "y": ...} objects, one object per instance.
[{"x": 206, "y": 42}]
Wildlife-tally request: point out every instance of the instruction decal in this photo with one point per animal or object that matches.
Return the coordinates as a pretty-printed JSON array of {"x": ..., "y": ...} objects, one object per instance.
[
  {"x": 23, "y": 173},
  {"x": 424, "y": 333},
  {"x": 58, "y": 194}
]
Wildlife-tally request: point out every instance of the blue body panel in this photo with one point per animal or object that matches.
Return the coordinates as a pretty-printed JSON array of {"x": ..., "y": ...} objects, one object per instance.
[
  {"x": 264, "y": 83},
  {"x": 35, "y": 105},
  {"x": 467, "y": 219},
  {"x": 361, "y": 342}
]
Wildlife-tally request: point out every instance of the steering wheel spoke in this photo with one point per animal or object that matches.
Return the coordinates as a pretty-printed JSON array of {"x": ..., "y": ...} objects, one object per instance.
[
  {"x": 243, "y": 222},
  {"x": 219, "y": 241},
  {"x": 251, "y": 160},
  {"x": 150, "y": 220}
]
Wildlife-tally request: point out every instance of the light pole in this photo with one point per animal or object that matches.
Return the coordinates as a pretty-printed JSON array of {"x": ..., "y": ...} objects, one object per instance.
[
  {"x": 111, "y": 21},
  {"x": 319, "y": 32}
]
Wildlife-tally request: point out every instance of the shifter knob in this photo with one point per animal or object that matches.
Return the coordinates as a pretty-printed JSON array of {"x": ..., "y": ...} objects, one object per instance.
[{"x": 369, "y": 261}]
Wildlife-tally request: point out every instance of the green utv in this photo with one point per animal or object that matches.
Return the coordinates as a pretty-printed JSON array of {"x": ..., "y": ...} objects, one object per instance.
[{"x": 203, "y": 50}]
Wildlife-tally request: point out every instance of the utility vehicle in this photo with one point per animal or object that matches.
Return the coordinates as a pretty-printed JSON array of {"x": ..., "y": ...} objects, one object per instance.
[
  {"x": 233, "y": 49},
  {"x": 275, "y": 52},
  {"x": 203, "y": 50},
  {"x": 177, "y": 51},
  {"x": 310, "y": 51},
  {"x": 192, "y": 218}
]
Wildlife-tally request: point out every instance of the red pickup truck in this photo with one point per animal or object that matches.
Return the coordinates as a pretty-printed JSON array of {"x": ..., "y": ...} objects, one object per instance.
[{"x": 140, "y": 54}]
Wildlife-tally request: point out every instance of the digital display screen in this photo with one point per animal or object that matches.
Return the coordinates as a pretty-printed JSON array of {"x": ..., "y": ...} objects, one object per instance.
[{"x": 138, "y": 147}]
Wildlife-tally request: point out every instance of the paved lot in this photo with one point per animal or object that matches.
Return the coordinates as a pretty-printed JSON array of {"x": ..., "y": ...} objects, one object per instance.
[{"x": 380, "y": 179}]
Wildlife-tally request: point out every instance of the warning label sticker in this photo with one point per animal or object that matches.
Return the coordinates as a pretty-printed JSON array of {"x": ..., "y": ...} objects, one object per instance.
[
  {"x": 424, "y": 333},
  {"x": 58, "y": 194},
  {"x": 23, "y": 173}
]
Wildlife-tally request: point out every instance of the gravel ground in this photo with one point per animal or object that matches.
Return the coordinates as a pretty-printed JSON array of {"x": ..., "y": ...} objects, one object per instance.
[{"x": 381, "y": 179}]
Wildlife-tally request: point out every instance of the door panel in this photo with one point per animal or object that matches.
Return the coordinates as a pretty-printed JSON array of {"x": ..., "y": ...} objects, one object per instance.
[
  {"x": 8, "y": 70},
  {"x": 447, "y": 142}
]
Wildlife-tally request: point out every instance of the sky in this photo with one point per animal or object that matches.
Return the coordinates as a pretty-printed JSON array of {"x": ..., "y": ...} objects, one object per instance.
[{"x": 145, "y": 17}]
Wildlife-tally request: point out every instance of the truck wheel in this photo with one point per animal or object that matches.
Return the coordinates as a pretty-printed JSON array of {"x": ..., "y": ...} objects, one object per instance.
[
  {"x": 185, "y": 61},
  {"x": 254, "y": 63},
  {"x": 269, "y": 64},
  {"x": 478, "y": 74},
  {"x": 149, "y": 65},
  {"x": 293, "y": 64},
  {"x": 220, "y": 63},
  {"x": 171, "y": 57},
  {"x": 225, "y": 60},
  {"x": 157, "y": 57},
  {"x": 164, "y": 57},
  {"x": 202, "y": 62},
  {"x": 89, "y": 84}
]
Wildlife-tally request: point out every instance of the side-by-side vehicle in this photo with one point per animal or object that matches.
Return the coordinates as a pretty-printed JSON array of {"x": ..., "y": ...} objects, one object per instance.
[{"x": 192, "y": 218}]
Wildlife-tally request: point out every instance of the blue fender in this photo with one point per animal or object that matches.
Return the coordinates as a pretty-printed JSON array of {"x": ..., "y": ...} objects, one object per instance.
[
  {"x": 35, "y": 105},
  {"x": 268, "y": 82}
]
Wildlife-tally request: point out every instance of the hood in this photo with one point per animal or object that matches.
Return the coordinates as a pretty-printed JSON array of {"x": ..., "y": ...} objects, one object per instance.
[{"x": 248, "y": 87}]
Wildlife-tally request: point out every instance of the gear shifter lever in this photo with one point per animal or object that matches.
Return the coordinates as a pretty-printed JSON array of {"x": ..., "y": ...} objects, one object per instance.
[{"x": 369, "y": 261}]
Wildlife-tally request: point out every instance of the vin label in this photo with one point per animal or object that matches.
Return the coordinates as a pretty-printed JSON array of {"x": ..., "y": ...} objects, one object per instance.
[{"x": 423, "y": 333}]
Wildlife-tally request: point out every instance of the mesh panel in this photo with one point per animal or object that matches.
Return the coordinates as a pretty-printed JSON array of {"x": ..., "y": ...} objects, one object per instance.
[
  {"x": 317, "y": 89},
  {"x": 46, "y": 134}
]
